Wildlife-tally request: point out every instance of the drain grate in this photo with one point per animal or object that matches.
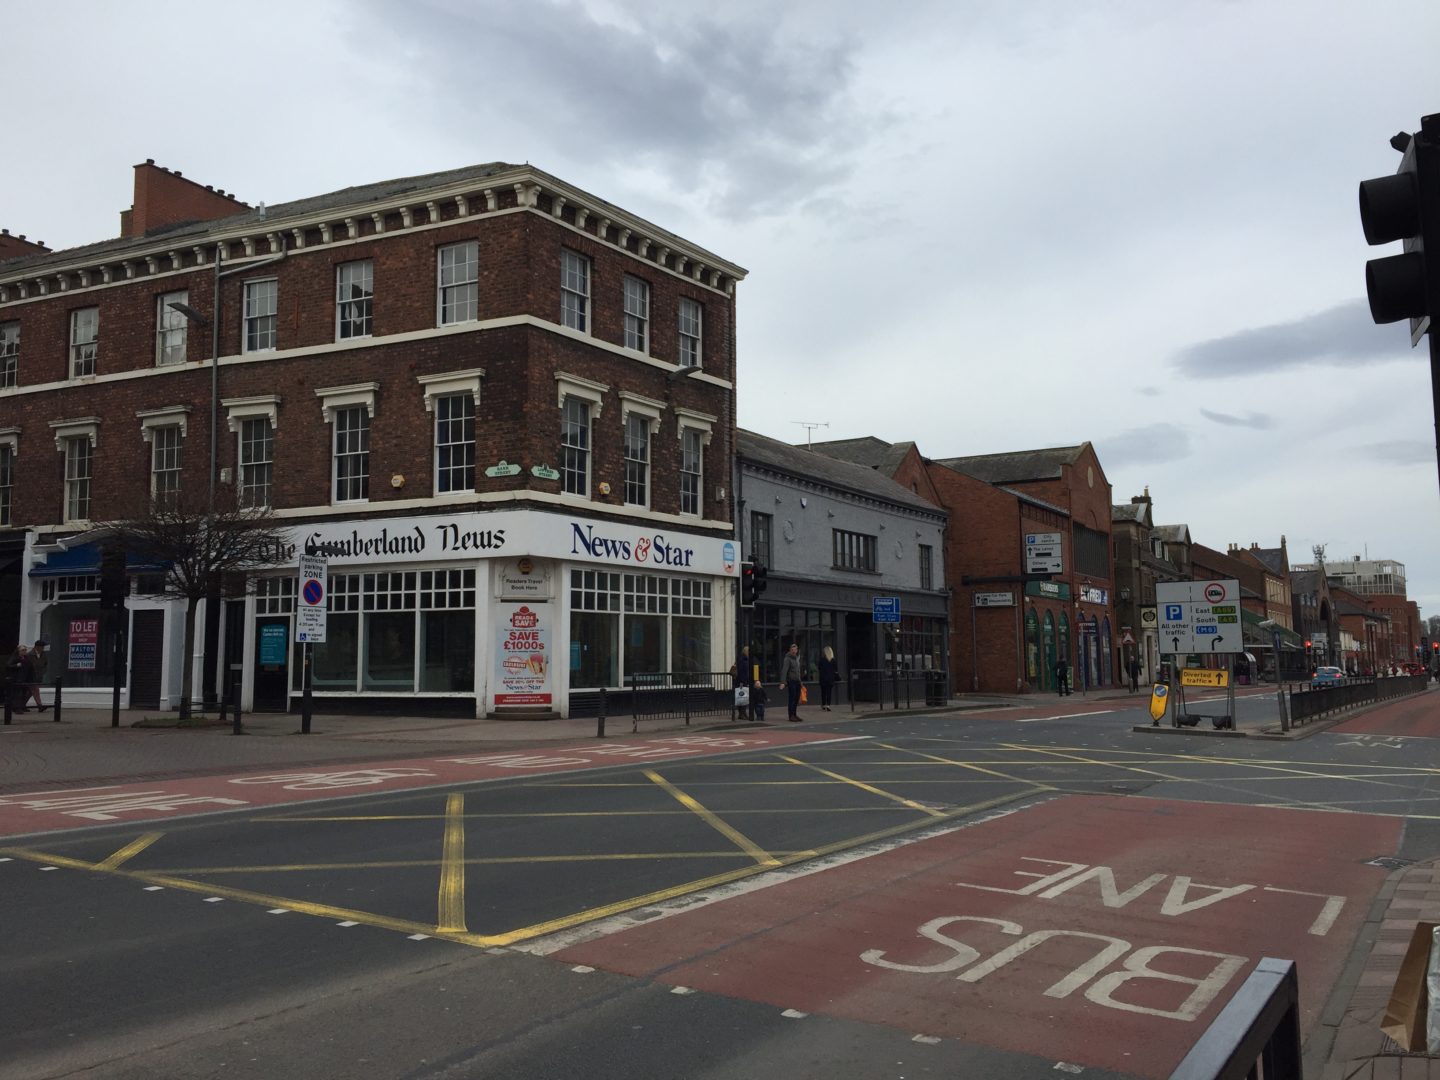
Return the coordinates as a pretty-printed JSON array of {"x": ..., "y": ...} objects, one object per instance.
[{"x": 1389, "y": 862}]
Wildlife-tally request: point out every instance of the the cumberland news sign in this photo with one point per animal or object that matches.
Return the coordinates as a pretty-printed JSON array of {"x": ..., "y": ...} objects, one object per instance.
[{"x": 510, "y": 534}]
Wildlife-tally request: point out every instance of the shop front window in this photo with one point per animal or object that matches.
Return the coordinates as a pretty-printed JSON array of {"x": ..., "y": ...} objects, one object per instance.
[
  {"x": 1032, "y": 646},
  {"x": 82, "y": 643},
  {"x": 637, "y": 624},
  {"x": 1052, "y": 656}
]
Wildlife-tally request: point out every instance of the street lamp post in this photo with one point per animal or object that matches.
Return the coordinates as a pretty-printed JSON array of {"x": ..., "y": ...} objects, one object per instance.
[{"x": 1274, "y": 628}]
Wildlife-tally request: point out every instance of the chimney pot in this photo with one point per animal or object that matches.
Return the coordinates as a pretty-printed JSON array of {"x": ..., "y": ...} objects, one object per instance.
[
  {"x": 177, "y": 172},
  {"x": 149, "y": 161}
]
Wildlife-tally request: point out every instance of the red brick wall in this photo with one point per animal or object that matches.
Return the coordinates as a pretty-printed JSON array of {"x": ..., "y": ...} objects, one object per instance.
[
  {"x": 163, "y": 197},
  {"x": 517, "y": 419}
]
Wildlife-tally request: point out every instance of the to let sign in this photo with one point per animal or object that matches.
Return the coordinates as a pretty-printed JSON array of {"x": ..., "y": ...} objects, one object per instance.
[
  {"x": 310, "y": 605},
  {"x": 84, "y": 639}
]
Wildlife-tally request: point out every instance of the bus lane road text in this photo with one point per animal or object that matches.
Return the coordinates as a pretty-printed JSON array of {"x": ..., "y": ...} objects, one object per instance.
[{"x": 1089, "y": 929}]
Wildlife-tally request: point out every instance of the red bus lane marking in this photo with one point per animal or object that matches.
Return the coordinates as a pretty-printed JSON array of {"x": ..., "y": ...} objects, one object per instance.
[
  {"x": 1090, "y": 929},
  {"x": 45, "y": 810}
]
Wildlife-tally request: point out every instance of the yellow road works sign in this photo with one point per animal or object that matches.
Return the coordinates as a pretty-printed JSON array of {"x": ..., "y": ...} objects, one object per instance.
[
  {"x": 1204, "y": 677},
  {"x": 1159, "y": 698}
]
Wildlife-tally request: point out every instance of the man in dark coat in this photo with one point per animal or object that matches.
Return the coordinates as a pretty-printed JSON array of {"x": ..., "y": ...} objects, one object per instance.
[{"x": 1062, "y": 676}]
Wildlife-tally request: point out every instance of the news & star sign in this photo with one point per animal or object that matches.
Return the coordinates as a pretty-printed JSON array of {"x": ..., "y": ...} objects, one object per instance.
[{"x": 1199, "y": 616}]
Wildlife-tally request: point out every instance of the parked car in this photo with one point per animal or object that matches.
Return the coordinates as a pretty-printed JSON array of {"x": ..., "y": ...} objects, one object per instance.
[{"x": 1325, "y": 677}]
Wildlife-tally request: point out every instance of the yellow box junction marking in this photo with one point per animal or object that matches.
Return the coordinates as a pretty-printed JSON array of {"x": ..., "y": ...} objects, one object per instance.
[
  {"x": 867, "y": 787},
  {"x": 129, "y": 851},
  {"x": 452, "y": 868},
  {"x": 734, "y": 835}
]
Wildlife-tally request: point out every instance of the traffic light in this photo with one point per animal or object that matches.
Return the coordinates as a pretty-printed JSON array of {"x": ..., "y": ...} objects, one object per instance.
[
  {"x": 759, "y": 579},
  {"x": 1307, "y": 643},
  {"x": 114, "y": 585},
  {"x": 1406, "y": 206},
  {"x": 747, "y": 584}
]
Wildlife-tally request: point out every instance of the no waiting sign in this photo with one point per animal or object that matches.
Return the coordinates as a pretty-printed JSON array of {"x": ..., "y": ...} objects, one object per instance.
[{"x": 310, "y": 606}]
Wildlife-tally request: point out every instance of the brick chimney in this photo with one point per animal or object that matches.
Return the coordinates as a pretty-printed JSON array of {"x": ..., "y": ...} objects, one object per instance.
[
  {"x": 164, "y": 197},
  {"x": 15, "y": 247}
]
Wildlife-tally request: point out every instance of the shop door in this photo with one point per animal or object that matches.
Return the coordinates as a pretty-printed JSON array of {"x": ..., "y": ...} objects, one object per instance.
[
  {"x": 147, "y": 655},
  {"x": 860, "y": 660},
  {"x": 272, "y": 651}
]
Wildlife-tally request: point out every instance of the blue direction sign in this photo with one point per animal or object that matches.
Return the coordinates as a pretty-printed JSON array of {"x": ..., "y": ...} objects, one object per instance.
[{"x": 885, "y": 609}]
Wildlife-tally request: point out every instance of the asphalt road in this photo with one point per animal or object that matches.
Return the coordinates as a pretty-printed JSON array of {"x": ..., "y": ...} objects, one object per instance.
[{"x": 671, "y": 920}]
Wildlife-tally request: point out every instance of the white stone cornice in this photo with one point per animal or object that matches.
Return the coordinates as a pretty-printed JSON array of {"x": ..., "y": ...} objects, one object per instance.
[
  {"x": 327, "y": 232},
  {"x": 451, "y": 382},
  {"x": 432, "y": 210},
  {"x": 352, "y": 230},
  {"x": 491, "y": 201},
  {"x": 168, "y": 416},
  {"x": 262, "y": 406},
  {"x": 557, "y": 206},
  {"x": 577, "y": 386},
  {"x": 79, "y": 427},
  {"x": 407, "y": 216},
  {"x": 462, "y": 205},
  {"x": 378, "y": 217},
  {"x": 348, "y": 396},
  {"x": 299, "y": 235}
]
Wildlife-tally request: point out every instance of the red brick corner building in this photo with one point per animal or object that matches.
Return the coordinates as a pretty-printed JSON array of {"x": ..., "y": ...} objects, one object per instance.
[{"x": 503, "y": 408}]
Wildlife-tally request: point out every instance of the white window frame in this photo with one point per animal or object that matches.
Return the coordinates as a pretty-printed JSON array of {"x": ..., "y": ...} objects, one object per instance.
[
  {"x": 354, "y": 314},
  {"x": 574, "y": 291},
  {"x": 9, "y": 354},
  {"x": 461, "y": 292},
  {"x": 444, "y": 385},
  {"x": 703, "y": 426},
  {"x": 444, "y": 404},
  {"x": 238, "y": 412},
  {"x": 639, "y": 413},
  {"x": 264, "y": 324},
  {"x": 70, "y": 436},
  {"x": 165, "y": 445},
  {"x": 9, "y": 452},
  {"x": 334, "y": 401},
  {"x": 637, "y": 314},
  {"x": 592, "y": 394},
  {"x": 171, "y": 329},
  {"x": 246, "y": 489},
  {"x": 690, "y": 331},
  {"x": 84, "y": 341}
]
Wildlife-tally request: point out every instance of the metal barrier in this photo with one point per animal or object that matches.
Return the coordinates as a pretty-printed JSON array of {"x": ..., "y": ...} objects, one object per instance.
[
  {"x": 904, "y": 689},
  {"x": 1257, "y": 1034},
  {"x": 676, "y": 694},
  {"x": 1351, "y": 693}
]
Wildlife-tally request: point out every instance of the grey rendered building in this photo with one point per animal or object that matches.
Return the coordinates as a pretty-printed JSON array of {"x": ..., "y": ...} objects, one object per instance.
[{"x": 833, "y": 536}]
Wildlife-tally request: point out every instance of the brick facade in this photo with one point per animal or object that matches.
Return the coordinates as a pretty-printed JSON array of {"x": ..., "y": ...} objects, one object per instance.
[{"x": 520, "y": 220}]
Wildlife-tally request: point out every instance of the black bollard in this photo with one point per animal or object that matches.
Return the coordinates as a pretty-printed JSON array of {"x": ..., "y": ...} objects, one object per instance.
[
  {"x": 600, "y": 719},
  {"x": 235, "y": 701},
  {"x": 59, "y": 693},
  {"x": 9, "y": 690}
]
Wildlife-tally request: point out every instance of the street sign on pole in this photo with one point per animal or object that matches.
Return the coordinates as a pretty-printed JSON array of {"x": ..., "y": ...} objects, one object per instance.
[
  {"x": 1199, "y": 616},
  {"x": 994, "y": 599},
  {"x": 885, "y": 609},
  {"x": 310, "y": 610}
]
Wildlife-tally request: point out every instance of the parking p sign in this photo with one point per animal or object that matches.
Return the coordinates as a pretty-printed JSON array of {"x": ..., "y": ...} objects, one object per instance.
[{"x": 310, "y": 608}]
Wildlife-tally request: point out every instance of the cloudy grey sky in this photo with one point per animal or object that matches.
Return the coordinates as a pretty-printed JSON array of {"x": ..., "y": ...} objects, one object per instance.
[{"x": 984, "y": 225}]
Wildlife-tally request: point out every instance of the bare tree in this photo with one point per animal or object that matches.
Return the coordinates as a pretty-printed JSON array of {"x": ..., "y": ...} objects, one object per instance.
[{"x": 196, "y": 552}]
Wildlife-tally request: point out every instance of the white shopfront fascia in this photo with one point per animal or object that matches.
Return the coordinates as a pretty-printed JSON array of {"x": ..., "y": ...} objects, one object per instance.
[
  {"x": 512, "y": 533},
  {"x": 498, "y": 539}
]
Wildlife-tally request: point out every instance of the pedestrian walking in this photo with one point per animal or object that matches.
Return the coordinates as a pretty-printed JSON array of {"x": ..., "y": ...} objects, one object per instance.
[
  {"x": 1062, "y": 677},
  {"x": 1134, "y": 669},
  {"x": 757, "y": 702},
  {"x": 39, "y": 658},
  {"x": 19, "y": 672},
  {"x": 742, "y": 674},
  {"x": 829, "y": 674},
  {"x": 790, "y": 682}
]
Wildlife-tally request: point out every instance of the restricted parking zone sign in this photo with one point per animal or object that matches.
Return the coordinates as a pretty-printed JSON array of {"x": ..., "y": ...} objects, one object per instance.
[{"x": 310, "y": 611}]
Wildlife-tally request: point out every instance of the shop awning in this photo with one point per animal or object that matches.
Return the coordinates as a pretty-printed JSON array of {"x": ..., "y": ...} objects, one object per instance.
[{"x": 85, "y": 559}]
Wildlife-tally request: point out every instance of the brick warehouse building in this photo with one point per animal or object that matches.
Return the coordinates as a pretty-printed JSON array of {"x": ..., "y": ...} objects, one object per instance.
[{"x": 492, "y": 399}]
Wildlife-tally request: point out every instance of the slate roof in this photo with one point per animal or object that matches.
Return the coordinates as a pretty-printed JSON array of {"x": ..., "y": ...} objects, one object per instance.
[
  {"x": 1016, "y": 467},
  {"x": 351, "y": 196},
  {"x": 1172, "y": 534},
  {"x": 1271, "y": 557},
  {"x": 1125, "y": 512},
  {"x": 1033, "y": 501},
  {"x": 1303, "y": 581},
  {"x": 869, "y": 451},
  {"x": 832, "y": 472}
]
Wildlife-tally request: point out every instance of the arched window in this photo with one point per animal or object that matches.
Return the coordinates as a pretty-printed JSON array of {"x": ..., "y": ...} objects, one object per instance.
[
  {"x": 1062, "y": 646},
  {"x": 1047, "y": 671},
  {"x": 1032, "y": 647}
]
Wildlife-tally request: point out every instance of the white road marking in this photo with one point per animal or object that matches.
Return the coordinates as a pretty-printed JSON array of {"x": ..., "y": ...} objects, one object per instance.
[
  {"x": 419, "y": 937},
  {"x": 794, "y": 1014},
  {"x": 214, "y": 899},
  {"x": 582, "y": 969},
  {"x": 278, "y": 911},
  {"x": 1065, "y": 1066},
  {"x": 1065, "y": 716},
  {"x": 928, "y": 1040},
  {"x": 681, "y": 990},
  {"x": 154, "y": 888},
  {"x": 7, "y": 859},
  {"x": 347, "y": 922},
  {"x": 49, "y": 868}
]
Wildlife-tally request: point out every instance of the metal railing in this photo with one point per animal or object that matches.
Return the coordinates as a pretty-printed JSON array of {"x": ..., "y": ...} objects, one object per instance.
[
  {"x": 1257, "y": 1033},
  {"x": 1351, "y": 693},
  {"x": 903, "y": 689}
]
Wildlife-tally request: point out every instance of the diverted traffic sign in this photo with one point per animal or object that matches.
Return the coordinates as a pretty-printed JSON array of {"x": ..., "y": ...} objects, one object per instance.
[
  {"x": 1204, "y": 677},
  {"x": 310, "y": 604},
  {"x": 1199, "y": 616}
]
